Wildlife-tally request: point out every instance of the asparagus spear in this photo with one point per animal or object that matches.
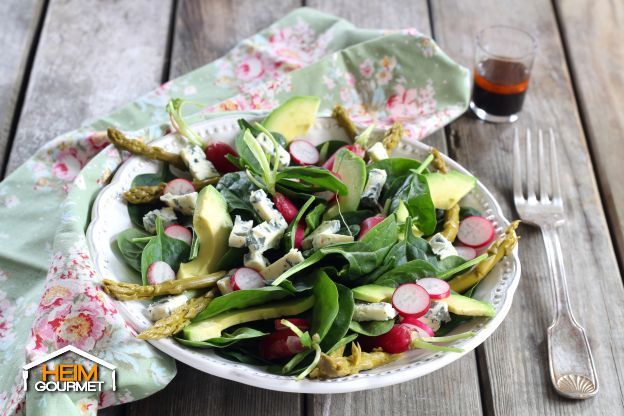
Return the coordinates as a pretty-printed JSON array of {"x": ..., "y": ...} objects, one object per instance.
[
  {"x": 180, "y": 318},
  {"x": 148, "y": 194},
  {"x": 392, "y": 137},
  {"x": 137, "y": 147},
  {"x": 342, "y": 117},
  {"x": 438, "y": 161},
  {"x": 335, "y": 365},
  {"x": 499, "y": 248},
  {"x": 451, "y": 223},
  {"x": 131, "y": 291}
]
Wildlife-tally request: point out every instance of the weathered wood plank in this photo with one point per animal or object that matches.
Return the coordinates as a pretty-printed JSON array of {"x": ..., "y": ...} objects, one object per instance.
[
  {"x": 459, "y": 380},
  {"x": 92, "y": 57},
  {"x": 203, "y": 32},
  {"x": 593, "y": 33},
  {"x": 514, "y": 359},
  {"x": 17, "y": 32}
]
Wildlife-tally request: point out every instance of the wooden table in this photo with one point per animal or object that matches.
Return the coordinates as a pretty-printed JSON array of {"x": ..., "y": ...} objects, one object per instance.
[{"x": 68, "y": 61}]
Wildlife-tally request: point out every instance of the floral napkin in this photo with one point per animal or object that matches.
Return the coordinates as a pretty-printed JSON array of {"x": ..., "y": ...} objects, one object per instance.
[{"x": 50, "y": 295}]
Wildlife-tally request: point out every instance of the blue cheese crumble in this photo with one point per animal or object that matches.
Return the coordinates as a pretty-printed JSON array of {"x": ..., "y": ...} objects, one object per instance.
[
  {"x": 291, "y": 259},
  {"x": 240, "y": 232},
  {"x": 167, "y": 217},
  {"x": 374, "y": 185},
  {"x": 200, "y": 167},
  {"x": 182, "y": 203}
]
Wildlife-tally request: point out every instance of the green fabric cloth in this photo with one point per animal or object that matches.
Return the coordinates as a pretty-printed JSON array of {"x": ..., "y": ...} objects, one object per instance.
[{"x": 49, "y": 291}]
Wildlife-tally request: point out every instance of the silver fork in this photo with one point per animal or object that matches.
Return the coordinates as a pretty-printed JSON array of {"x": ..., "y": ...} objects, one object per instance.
[{"x": 572, "y": 370}]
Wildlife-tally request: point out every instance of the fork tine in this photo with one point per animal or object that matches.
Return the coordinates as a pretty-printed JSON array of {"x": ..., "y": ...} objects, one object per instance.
[
  {"x": 517, "y": 179},
  {"x": 530, "y": 177},
  {"x": 543, "y": 174},
  {"x": 554, "y": 171}
]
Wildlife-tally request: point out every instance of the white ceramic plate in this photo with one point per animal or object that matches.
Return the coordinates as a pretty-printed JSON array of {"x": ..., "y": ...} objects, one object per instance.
[{"x": 110, "y": 217}]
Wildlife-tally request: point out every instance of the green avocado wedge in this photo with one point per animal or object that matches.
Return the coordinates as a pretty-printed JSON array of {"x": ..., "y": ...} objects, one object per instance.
[
  {"x": 465, "y": 306},
  {"x": 351, "y": 169},
  {"x": 373, "y": 293},
  {"x": 294, "y": 117},
  {"x": 447, "y": 189}
]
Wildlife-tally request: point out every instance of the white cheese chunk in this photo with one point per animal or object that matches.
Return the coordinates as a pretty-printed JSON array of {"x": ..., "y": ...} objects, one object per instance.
[
  {"x": 265, "y": 235},
  {"x": 167, "y": 217},
  {"x": 437, "y": 313},
  {"x": 264, "y": 207},
  {"x": 267, "y": 145},
  {"x": 255, "y": 260},
  {"x": 326, "y": 227},
  {"x": 377, "y": 152},
  {"x": 240, "y": 232},
  {"x": 200, "y": 167},
  {"x": 325, "y": 239},
  {"x": 374, "y": 185},
  {"x": 182, "y": 203},
  {"x": 292, "y": 258},
  {"x": 379, "y": 311},
  {"x": 225, "y": 285},
  {"x": 163, "y": 308},
  {"x": 441, "y": 246}
]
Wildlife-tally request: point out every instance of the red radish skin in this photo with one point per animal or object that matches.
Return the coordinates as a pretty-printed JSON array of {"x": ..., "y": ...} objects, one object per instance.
[
  {"x": 411, "y": 299},
  {"x": 303, "y": 152},
  {"x": 179, "y": 187},
  {"x": 395, "y": 341},
  {"x": 246, "y": 278},
  {"x": 355, "y": 148},
  {"x": 437, "y": 288},
  {"x": 180, "y": 233},
  {"x": 286, "y": 207},
  {"x": 368, "y": 224},
  {"x": 301, "y": 323},
  {"x": 415, "y": 324},
  {"x": 299, "y": 235},
  {"x": 280, "y": 344},
  {"x": 466, "y": 253},
  {"x": 216, "y": 152},
  {"x": 159, "y": 272},
  {"x": 475, "y": 232}
]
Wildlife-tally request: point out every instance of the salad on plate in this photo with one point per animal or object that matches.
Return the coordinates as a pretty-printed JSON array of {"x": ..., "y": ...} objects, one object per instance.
[{"x": 313, "y": 261}]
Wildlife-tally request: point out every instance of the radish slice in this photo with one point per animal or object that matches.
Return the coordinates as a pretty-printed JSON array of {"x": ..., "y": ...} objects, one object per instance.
[
  {"x": 437, "y": 288},
  {"x": 179, "y": 187},
  {"x": 301, "y": 323},
  {"x": 475, "y": 232},
  {"x": 355, "y": 148},
  {"x": 411, "y": 299},
  {"x": 368, "y": 224},
  {"x": 299, "y": 235},
  {"x": 395, "y": 341},
  {"x": 285, "y": 206},
  {"x": 216, "y": 152},
  {"x": 419, "y": 326},
  {"x": 246, "y": 278},
  {"x": 180, "y": 233},
  {"x": 303, "y": 152},
  {"x": 466, "y": 253},
  {"x": 280, "y": 344},
  {"x": 159, "y": 272}
]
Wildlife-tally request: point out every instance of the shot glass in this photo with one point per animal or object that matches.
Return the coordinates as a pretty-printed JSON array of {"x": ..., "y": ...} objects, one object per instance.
[{"x": 503, "y": 60}]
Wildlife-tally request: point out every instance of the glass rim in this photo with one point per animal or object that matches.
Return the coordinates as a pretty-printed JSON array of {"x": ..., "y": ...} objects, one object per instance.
[{"x": 529, "y": 53}]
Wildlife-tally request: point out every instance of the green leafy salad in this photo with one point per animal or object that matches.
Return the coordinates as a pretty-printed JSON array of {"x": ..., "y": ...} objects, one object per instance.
[{"x": 315, "y": 261}]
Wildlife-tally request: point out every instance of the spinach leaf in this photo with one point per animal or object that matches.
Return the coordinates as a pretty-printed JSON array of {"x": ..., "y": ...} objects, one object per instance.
[
  {"x": 406, "y": 273},
  {"x": 312, "y": 176},
  {"x": 241, "y": 299},
  {"x": 289, "y": 237},
  {"x": 340, "y": 326},
  {"x": 314, "y": 217},
  {"x": 371, "y": 328},
  {"x": 245, "y": 155},
  {"x": 395, "y": 167},
  {"x": 353, "y": 217},
  {"x": 231, "y": 259},
  {"x": 414, "y": 192},
  {"x": 225, "y": 340},
  {"x": 163, "y": 248},
  {"x": 328, "y": 148},
  {"x": 138, "y": 211},
  {"x": 461, "y": 266},
  {"x": 314, "y": 258},
  {"x": 352, "y": 230},
  {"x": 241, "y": 356},
  {"x": 235, "y": 188},
  {"x": 131, "y": 251},
  {"x": 299, "y": 283},
  {"x": 325, "y": 305}
]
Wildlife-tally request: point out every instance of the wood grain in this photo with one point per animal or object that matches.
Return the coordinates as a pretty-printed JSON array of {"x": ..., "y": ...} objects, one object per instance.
[
  {"x": 458, "y": 381},
  {"x": 593, "y": 33},
  {"x": 20, "y": 19},
  {"x": 514, "y": 359},
  {"x": 93, "y": 56}
]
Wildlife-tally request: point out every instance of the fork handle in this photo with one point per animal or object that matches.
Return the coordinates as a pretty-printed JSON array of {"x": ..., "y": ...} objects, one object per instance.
[{"x": 557, "y": 272}]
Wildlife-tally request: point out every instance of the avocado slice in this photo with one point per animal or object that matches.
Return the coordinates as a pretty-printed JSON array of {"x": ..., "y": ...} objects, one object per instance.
[
  {"x": 351, "y": 169},
  {"x": 447, "y": 189},
  {"x": 294, "y": 117},
  {"x": 463, "y": 305},
  {"x": 212, "y": 327},
  {"x": 373, "y": 293},
  {"x": 213, "y": 224}
]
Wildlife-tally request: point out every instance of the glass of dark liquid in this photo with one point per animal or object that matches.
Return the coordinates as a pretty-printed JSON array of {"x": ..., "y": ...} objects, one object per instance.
[{"x": 503, "y": 60}]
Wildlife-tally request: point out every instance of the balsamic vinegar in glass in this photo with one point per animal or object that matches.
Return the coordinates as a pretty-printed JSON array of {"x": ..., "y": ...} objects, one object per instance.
[{"x": 500, "y": 86}]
